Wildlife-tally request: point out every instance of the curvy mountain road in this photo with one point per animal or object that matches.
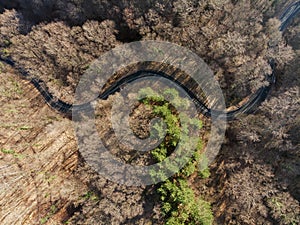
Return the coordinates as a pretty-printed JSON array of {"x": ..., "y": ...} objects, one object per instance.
[{"x": 255, "y": 99}]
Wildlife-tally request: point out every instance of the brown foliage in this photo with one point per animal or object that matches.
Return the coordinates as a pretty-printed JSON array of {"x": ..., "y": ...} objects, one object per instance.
[
  {"x": 235, "y": 38},
  {"x": 9, "y": 27},
  {"x": 59, "y": 54}
]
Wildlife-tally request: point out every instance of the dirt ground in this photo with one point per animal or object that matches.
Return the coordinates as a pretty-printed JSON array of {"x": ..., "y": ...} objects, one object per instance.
[{"x": 254, "y": 180}]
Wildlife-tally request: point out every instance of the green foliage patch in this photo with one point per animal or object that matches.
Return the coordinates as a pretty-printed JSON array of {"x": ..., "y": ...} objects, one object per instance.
[{"x": 179, "y": 203}]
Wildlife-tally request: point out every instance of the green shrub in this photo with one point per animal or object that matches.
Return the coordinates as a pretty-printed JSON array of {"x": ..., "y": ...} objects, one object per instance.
[{"x": 179, "y": 204}]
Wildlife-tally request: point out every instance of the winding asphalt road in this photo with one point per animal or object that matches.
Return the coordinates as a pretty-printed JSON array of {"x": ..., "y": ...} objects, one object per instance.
[{"x": 255, "y": 99}]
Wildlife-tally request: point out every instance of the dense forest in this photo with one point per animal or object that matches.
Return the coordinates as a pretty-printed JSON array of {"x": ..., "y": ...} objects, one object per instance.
[{"x": 255, "y": 179}]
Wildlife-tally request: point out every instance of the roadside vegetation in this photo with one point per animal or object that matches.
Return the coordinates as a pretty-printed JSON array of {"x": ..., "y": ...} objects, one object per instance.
[
  {"x": 179, "y": 203},
  {"x": 255, "y": 178}
]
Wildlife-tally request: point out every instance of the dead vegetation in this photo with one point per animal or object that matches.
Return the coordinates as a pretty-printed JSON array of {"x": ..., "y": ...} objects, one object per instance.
[{"x": 255, "y": 179}]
